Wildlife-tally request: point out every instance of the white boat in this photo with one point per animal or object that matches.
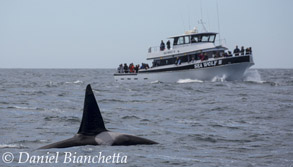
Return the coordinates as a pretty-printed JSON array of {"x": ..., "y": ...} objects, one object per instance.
[{"x": 192, "y": 56}]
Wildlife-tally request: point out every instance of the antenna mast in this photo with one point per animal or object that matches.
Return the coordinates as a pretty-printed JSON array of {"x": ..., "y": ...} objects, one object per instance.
[
  {"x": 218, "y": 22},
  {"x": 203, "y": 26},
  {"x": 200, "y": 21},
  {"x": 188, "y": 20},
  {"x": 201, "y": 9}
]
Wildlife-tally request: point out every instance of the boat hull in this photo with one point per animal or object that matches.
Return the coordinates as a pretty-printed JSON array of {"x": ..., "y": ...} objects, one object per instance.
[{"x": 195, "y": 71}]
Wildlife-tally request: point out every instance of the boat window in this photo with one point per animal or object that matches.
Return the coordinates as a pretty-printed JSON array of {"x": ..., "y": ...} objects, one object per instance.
[
  {"x": 184, "y": 59},
  {"x": 194, "y": 39},
  {"x": 180, "y": 41},
  {"x": 187, "y": 39},
  {"x": 212, "y": 38},
  {"x": 158, "y": 62},
  {"x": 205, "y": 38},
  {"x": 163, "y": 62},
  {"x": 199, "y": 38},
  {"x": 175, "y": 41}
]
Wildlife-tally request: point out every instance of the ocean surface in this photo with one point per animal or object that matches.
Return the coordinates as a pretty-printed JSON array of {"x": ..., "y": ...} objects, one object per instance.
[{"x": 214, "y": 123}]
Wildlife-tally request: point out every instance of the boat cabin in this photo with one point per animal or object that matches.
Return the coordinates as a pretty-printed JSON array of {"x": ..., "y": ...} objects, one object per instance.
[
  {"x": 187, "y": 48},
  {"x": 183, "y": 44}
]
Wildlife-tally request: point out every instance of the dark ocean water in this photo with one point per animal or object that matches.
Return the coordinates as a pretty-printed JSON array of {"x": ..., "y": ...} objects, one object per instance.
[{"x": 204, "y": 124}]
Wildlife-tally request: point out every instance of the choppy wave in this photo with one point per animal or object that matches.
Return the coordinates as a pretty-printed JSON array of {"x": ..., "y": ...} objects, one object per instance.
[
  {"x": 25, "y": 108},
  {"x": 112, "y": 101},
  {"x": 191, "y": 122},
  {"x": 130, "y": 117},
  {"x": 156, "y": 82},
  {"x": 75, "y": 82},
  {"x": 56, "y": 84},
  {"x": 181, "y": 81},
  {"x": 211, "y": 121},
  {"x": 11, "y": 146},
  {"x": 52, "y": 84},
  {"x": 67, "y": 119}
]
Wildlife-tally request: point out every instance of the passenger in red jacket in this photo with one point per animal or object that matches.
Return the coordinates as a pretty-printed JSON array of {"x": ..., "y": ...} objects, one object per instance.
[
  {"x": 131, "y": 68},
  {"x": 201, "y": 56}
]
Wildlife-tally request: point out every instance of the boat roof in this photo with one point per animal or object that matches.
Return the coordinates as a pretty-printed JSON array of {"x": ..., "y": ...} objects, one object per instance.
[{"x": 188, "y": 34}]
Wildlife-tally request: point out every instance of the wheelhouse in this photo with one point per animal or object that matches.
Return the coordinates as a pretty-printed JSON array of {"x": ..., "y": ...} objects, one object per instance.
[
  {"x": 198, "y": 43},
  {"x": 194, "y": 38}
]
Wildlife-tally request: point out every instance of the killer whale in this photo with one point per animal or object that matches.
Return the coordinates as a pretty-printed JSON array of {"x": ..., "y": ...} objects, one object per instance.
[{"x": 92, "y": 129}]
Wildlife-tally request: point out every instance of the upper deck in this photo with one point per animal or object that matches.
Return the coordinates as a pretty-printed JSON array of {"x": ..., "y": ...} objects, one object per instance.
[{"x": 188, "y": 42}]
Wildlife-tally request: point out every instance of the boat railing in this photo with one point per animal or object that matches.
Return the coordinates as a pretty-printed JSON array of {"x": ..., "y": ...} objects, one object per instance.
[{"x": 153, "y": 49}]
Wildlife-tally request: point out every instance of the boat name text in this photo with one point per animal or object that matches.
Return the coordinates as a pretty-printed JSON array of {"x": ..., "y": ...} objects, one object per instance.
[{"x": 208, "y": 64}]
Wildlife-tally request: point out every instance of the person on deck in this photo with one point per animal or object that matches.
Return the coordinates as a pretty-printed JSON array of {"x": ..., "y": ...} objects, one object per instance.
[
  {"x": 136, "y": 68},
  {"x": 205, "y": 56},
  {"x": 142, "y": 66},
  {"x": 236, "y": 51},
  {"x": 201, "y": 56},
  {"x": 247, "y": 52},
  {"x": 162, "y": 46},
  {"x": 192, "y": 59},
  {"x": 131, "y": 68},
  {"x": 125, "y": 68},
  {"x": 120, "y": 69},
  {"x": 168, "y": 45},
  {"x": 242, "y": 51},
  {"x": 178, "y": 61}
]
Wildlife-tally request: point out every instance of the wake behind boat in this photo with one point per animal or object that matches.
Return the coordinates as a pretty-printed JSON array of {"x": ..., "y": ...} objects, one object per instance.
[{"x": 193, "y": 55}]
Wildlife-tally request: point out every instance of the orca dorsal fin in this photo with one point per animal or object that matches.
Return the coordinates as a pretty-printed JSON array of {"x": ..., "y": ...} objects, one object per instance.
[{"x": 92, "y": 121}]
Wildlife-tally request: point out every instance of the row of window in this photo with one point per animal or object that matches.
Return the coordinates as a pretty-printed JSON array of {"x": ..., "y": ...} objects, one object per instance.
[
  {"x": 133, "y": 79},
  {"x": 194, "y": 39},
  {"x": 187, "y": 58}
]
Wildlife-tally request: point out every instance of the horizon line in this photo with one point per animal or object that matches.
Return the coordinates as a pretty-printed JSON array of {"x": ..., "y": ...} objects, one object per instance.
[{"x": 80, "y": 68}]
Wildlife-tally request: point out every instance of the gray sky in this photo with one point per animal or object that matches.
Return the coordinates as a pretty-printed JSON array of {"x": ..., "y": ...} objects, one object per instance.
[{"x": 103, "y": 34}]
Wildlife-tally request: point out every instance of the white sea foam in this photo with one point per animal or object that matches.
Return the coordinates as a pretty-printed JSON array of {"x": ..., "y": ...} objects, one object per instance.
[
  {"x": 75, "y": 82},
  {"x": 189, "y": 81},
  {"x": 19, "y": 107},
  {"x": 52, "y": 84},
  {"x": 11, "y": 146},
  {"x": 219, "y": 78},
  {"x": 24, "y": 108},
  {"x": 155, "y": 82},
  {"x": 253, "y": 76}
]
